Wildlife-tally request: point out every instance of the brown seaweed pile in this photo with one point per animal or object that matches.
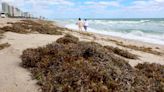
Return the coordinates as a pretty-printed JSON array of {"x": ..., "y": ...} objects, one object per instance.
[
  {"x": 4, "y": 45},
  {"x": 141, "y": 48},
  {"x": 120, "y": 52},
  {"x": 68, "y": 39},
  {"x": 154, "y": 72},
  {"x": 1, "y": 34},
  {"x": 27, "y": 26},
  {"x": 71, "y": 65},
  {"x": 1, "y": 31}
]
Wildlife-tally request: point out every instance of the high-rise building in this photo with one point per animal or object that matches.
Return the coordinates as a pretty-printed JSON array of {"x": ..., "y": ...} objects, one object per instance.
[
  {"x": 16, "y": 12},
  {"x": 27, "y": 14},
  {"x": 11, "y": 11},
  {"x": 5, "y": 7},
  {"x": 0, "y": 7}
]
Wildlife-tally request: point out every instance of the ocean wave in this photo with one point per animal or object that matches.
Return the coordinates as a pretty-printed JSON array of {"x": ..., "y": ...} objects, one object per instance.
[
  {"x": 143, "y": 21},
  {"x": 103, "y": 22},
  {"x": 134, "y": 34},
  {"x": 137, "y": 32}
]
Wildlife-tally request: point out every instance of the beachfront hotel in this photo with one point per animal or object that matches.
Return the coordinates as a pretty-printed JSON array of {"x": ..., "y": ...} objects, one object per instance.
[{"x": 12, "y": 11}]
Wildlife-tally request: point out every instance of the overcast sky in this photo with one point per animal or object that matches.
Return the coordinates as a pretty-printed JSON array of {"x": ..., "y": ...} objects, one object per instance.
[{"x": 92, "y": 8}]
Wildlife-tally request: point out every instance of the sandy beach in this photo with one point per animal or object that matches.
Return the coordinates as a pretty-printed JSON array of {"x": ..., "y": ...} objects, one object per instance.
[{"x": 14, "y": 78}]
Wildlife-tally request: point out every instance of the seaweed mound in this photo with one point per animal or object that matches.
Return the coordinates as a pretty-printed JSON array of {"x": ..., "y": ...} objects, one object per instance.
[
  {"x": 140, "y": 48},
  {"x": 76, "y": 66},
  {"x": 68, "y": 39},
  {"x": 4, "y": 45},
  {"x": 121, "y": 52},
  {"x": 27, "y": 26},
  {"x": 155, "y": 72}
]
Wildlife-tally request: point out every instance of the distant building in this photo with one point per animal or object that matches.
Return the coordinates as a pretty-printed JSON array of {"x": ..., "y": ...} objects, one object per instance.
[
  {"x": 17, "y": 12},
  {"x": 26, "y": 15},
  {"x": 22, "y": 14},
  {"x": 5, "y": 8},
  {"x": 9, "y": 10},
  {"x": 12, "y": 11},
  {"x": 0, "y": 7}
]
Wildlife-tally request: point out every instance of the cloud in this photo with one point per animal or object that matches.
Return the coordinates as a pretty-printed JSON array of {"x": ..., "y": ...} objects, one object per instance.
[
  {"x": 39, "y": 7},
  {"x": 147, "y": 5},
  {"x": 103, "y": 3},
  {"x": 38, "y": 2},
  {"x": 54, "y": 2},
  {"x": 128, "y": 9},
  {"x": 91, "y": 8}
]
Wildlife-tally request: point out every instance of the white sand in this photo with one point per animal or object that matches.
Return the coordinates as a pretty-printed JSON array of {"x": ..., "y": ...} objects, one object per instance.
[{"x": 14, "y": 78}]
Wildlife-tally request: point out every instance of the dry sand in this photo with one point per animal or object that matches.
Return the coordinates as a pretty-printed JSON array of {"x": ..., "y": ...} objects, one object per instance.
[{"x": 14, "y": 78}]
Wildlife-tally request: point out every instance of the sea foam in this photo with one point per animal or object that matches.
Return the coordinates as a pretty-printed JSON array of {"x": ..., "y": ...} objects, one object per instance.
[{"x": 135, "y": 34}]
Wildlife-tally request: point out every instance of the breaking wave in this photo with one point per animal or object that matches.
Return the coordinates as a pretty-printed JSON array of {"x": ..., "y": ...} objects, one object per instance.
[{"x": 151, "y": 31}]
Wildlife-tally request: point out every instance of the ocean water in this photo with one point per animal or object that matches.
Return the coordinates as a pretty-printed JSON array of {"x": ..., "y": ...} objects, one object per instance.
[{"x": 146, "y": 30}]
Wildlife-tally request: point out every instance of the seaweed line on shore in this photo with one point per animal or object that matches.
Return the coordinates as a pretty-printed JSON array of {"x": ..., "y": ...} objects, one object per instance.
[
  {"x": 138, "y": 48},
  {"x": 30, "y": 26}
]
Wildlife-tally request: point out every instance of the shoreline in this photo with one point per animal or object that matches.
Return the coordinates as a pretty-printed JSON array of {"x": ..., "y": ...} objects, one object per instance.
[
  {"x": 18, "y": 78},
  {"x": 103, "y": 39},
  {"x": 139, "y": 33},
  {"x": 126, "y": 40},
  {"x": 131, "y": 41}
]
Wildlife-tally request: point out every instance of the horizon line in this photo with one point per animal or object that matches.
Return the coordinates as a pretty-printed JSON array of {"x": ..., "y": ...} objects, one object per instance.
[{"x": 112, "y": 18}]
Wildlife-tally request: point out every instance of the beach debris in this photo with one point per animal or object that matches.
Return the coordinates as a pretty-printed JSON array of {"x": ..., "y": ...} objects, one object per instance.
[
  {"x": 28, "y": 26},
  {"x": 68, "y": 39},
  {"x": 1, "y": 31},
  {"x": 1, "y": 34},
  {"x": 76, "y": 66},
  {"x": 141, "y": 48},
  {"x": 138, "y": 48},
  {"x": 157, "y": 48},
  {"x": 85, "y": 33},
  {"x": 121, "y": 52},
  {"x": 4, "y": 45},
  {"x": 154, "y": 72},
  {"x": 14, "y": 28}
]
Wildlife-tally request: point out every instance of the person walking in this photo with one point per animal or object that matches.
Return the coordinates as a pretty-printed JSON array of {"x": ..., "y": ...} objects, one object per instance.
[
  {"x": 80, "y": 24},
  {"x": 86, "y": 24}
]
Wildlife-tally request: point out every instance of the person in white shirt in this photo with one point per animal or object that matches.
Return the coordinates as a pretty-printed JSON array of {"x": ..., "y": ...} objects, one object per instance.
[
  {"x": 80, "y": 24},
  {"x": 86, "y": 24}
]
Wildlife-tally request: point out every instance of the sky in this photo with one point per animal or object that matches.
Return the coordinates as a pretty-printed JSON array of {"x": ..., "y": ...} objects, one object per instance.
[{"x": 92, "y": 8}]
